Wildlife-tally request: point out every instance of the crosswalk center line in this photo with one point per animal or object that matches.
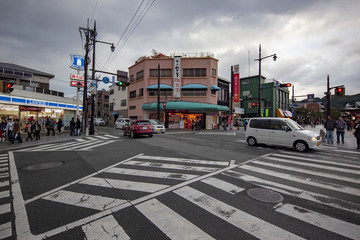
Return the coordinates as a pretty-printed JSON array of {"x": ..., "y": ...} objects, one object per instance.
[
  {"x": 84, "y": 200},
  {"x": 123, "y": 184},
  {"x": 222, "y": 185},
  {"x": 331, "y": 224},
  {"x": 171, "y": 166},
  {"x": 169, "y": 222},
  {"x": 106, "y": 228},
  {"x": 234, "y": 216}
]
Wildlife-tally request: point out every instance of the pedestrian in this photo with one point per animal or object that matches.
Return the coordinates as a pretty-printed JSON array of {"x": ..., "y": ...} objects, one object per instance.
[
  {"x": 3, "y": 125},
  {"x": 224, "y": 124},
  {"x": 198, "y": 124},
  {"x": 9, "y": 129},
  {"x": 51, "y": 127},
  {"x": 47, "y": 123},
  {"x": 37, "y": 128},
  {"x": 192, "y": 125},
  {"x": 330, "y": 125},
  {"x": 340, "y": 129},
  {"x": 59, "y": 125},
  {"x": 77, "y": 127},
  {"x": 72, "y": 127},
  {"x": 238, "y": 124},
  {"x": 245, "y": 124},
  {"x": 17, "y": 132},
  {"x": 357, "y": 133},
  {"x": 29, "y": 130}
]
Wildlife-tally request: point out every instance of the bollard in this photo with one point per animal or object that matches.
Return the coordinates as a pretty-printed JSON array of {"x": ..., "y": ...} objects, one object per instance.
[{"x": 322, "y": 135}]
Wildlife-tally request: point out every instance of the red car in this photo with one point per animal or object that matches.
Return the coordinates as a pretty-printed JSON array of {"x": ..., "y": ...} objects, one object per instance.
[{"x": 138, "y": 127}]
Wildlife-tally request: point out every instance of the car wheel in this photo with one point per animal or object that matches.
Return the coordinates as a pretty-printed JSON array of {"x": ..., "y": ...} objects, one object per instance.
[
  {"x": 150, "y": 135},
  {"x": 301, "y": 146},
  {"x": 132, "y": 134},
  {"x": 251, "y": 141}
]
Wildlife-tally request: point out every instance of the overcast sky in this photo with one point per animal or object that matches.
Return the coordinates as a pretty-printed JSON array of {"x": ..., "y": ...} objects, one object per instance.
[{"x": 312, "y": 38}]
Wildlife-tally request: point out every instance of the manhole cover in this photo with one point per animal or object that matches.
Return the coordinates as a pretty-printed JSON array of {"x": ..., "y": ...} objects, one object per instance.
[
  {"x": 42, "y": 166},
  {"x": 265, "y": 195}
]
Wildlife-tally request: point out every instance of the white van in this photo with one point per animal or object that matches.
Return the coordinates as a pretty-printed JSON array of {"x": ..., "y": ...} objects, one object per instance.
[{"x": 281, "y": 132}]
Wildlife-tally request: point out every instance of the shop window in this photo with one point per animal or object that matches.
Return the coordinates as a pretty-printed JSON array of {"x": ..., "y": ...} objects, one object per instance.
[
  {"x": 123, "y": 103},
  {"x": 194, "y": 92},
  {"x": 194, "y": 72}
]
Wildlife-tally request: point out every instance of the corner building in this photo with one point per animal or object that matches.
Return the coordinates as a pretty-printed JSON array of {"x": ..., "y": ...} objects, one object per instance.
[{"x": 188, "y": 90}]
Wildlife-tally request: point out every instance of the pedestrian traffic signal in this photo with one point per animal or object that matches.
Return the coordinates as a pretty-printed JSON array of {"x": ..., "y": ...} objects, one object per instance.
[
  {"x": 285, "y": 85},
  {"x": 340, "y": 91}
]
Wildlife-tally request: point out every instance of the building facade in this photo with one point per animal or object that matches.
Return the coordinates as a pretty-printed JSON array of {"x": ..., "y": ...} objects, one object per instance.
[
  {"x": 102, "y": 106},
  {"x": 274, "y": 99},
  {"x": 118, "y": 103},
  {"x": 188, "y": 90}
]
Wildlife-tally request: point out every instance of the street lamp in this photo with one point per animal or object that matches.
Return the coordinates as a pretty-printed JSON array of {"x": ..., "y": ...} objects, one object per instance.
[{"x": 259, "y": 90}]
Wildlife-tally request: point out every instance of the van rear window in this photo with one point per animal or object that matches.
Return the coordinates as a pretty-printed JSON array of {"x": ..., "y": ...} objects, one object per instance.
[{"x": 260, "y": 123}]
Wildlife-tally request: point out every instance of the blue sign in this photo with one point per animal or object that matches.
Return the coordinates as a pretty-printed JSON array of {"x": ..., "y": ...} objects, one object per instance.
[
  {"x": 106, "y": 80},
  {"x": 78, "y": 62}
]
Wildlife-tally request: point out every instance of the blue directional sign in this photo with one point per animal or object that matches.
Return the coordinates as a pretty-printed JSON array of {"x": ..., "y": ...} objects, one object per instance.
[
  {"x": 106, "y": 80},
  {"x": 78, "y": 62}
]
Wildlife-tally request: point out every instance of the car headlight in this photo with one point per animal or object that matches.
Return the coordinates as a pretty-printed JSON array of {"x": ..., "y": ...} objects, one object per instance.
[{"x": 313, "y": 138}]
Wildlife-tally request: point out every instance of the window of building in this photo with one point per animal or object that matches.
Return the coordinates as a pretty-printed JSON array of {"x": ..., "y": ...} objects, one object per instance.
[
  {"x": 140, "y": 75},
  {"x": 194, "y": 72},
  {"x": 141, "y": 92},
  {"x": 112, "y": 104},
  {"x": 194, "y": 92},
  {"x": 123, "y": 103},
  {"x": 132, "y": 107},
  {"x": 133, "y": 94},
  {"x": 213, "y": 92},
  {"x": 213, "y": 72},
  {"x": 111, "y": 91},
  {"x": 132, "y": 78},
  {"x": 163, "y": 72},
  {"x": 163, "y": 92}
]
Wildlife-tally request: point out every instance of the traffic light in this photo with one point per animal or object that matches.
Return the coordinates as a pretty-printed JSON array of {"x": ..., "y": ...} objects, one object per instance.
[
  {"x": 340, "y": 91},
  {"x": 285, "y": 85},
  {"x": 122, "y": 78},
  {"x": 253, "y": 104},
  {"x": 164, "y": 105},
  {"x": 7, "y": 87}
]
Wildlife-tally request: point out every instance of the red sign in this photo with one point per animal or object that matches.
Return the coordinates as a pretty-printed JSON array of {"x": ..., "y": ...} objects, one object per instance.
[
  {"x": 236, "y": 84},
  {"x": 77, "y": 77},
  {"x": 31, "y": 109},
  {"x": 75, "y": 83}
]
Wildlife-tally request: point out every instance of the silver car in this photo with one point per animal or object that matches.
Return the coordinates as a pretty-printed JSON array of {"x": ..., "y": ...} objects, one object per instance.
[
  {"x": 157, "y": 126},
  {"x": 120, "y": 122}
]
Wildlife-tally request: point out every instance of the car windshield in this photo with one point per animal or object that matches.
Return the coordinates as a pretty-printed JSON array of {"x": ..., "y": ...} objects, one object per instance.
[
  {"x": 140, "y": 123},
  {"x": 155, "y": 122},
  {"x": 293, "y": 125}
]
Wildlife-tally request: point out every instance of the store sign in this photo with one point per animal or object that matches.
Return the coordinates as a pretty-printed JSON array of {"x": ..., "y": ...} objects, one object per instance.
[
  {"x": 78, "y": 62},
  {"x": 236, "y": 84},
  {"x": 75, "y": 83},
  {"x": 77, "y": 77},
  {"x": 36, "y": 102},
  {"x": 31, "y": 109},
  {"x": 177, "y": 78},
  {"x": 239, "y": 110}
]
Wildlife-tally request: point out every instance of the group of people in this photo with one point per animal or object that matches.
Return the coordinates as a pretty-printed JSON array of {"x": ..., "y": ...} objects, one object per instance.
[
  {"x": 75, "y": 127},
  {"x": 340, "y": 125},
  {"x": 196, "y": 125},
  {"x": 10, "y": 129}
]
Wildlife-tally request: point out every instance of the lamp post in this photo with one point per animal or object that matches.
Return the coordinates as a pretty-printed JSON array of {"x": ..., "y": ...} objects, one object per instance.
[{"x": 259, "y": 90}]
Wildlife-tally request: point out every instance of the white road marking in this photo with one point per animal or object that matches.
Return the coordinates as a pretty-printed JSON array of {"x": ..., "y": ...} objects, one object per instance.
[
  {"x": 223, "y": 185},
  {"x": 106, "y": 228},
  {"x": 169, "y": 222},
  {"x": 111, "y": 136},
  {"x": 4, "y": 169},
  {"x": 98, "y": 145},
  {"x": 185, "y": 160},
  {"x": 171, "y": 166},
  {"x": 5, "y": 208},
  {"x": 123, "y": 184},
  {"x": 244, "y": 221},
  {"x": 325, "y": 222},
  {"x": 143, "y": 173},
  {"x": 5, "y": 164},
  {"x": 103, "y": 137},
  {"x": 5, "y": 194},
  {"x": 80, "y": 140},
  {"x": 4, "y": 161},
  {"x": 4, "y": 183},
  {"x": 5, "y": 230},
  {"x": 91, "y": 138},
  {"x": 84, "y": 200}
]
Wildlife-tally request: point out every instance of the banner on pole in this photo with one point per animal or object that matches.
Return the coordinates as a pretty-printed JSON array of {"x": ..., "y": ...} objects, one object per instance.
[{"x": 236, "y": 84}]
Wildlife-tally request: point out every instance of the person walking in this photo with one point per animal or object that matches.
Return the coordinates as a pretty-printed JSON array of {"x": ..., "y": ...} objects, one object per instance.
[
  {"x": 238, "y": 124},
  {"x": 357, "y": 133},
  {"x": 224, "y": 124},
  {"x": 192, "y": 125},
  {"x": 3, "y": 125},
  {"x": 77, "y": 127},
  {"x": 51, "y": 127},
  {"x": 340, "y": 129},
  {"x": 9, "y": 129},
  {"x": 245, "y": 124},
  {"x": 330, "y": 125},
  {"x": 29, "y": 130},
  {"x": 17, "y": 132},
  {"x": 198, "y": 124},
  {"x": 59, "y": 125},
  {"x": 47, "y": 123},
  {"x": 37, "y": 128},
  {"x": 72, "y": 127}
]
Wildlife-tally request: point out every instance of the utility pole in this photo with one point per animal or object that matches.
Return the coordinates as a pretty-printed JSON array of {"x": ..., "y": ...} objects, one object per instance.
[
  {"x": 232, "y": 93},
  {"x": 259, "y": 83},
  {"x": 158, "y": 94},
  {"x": 92, "y": 114},
  {"x": 328, "y": 96}
]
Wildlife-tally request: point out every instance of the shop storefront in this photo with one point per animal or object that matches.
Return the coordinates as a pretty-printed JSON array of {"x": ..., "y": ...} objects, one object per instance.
[{"x": 180, "y": 115}]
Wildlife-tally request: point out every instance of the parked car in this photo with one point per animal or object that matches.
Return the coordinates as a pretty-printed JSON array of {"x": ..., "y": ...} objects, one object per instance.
[
  {"x": 157, "y": 126},
  {"x": 99, "y": 122},
  {"x": 120, "y": 122},
  {"x": 138, "y": 127},
  {"x": 281, "y": 132}
]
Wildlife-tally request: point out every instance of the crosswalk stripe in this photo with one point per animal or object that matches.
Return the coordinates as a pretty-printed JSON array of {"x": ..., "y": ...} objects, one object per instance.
[
  {"x": 98, "y": 145},
  {"x": 4, "y": 161},
  {"x": 185, "y": 160},
  {"x": 84, "y": 200},
  {"x": 143, "y": 173},
  {"x": 111, "y": 136},
  {"x": 4, "y": 169},
  {"x": 346, "y": 151},
  {"x": 46, "y": 147},
  {"x": 319, "y": 161},
  {"x": 310, "y": 172},
  {"x": 5, "y": 208},
  {"x": 80, "y": 140},
  {"x": 4, "y": 164},
  {"x": 289, "y": 177},
  {"x": 171, "y": 166},
  {"x": 106, "y": 228},
  {"x": 222, "y": 185},
  {"x": 297, "y": 192},
  {"x": 230, "y": 214},
  {"x": 328, "y": 223},
  {"x": 169, "y": 222},
  {"x": 5, "y": 230},
  {"x": 80, "y": 145},
  {"x": 103, "y": 137},
  {"x": 5, "y": 194},
  {"x": 123, "y": 184},
  {"x": 91, "y": 138},
  {"x": 3, "y": 175}
]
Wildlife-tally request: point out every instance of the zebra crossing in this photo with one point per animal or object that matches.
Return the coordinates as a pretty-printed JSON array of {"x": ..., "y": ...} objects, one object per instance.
[
  {"x": 6, "y": 214},
  {"x": 178, "y": 198},
  {"x": 79, "y": 144}
]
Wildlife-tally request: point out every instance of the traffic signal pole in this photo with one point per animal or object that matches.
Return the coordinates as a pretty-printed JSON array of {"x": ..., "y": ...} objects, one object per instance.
[{"x": 328, "y": 97}]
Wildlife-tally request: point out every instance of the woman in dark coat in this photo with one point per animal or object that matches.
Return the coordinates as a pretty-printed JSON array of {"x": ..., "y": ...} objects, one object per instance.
[{"x": 357, "y": 133}]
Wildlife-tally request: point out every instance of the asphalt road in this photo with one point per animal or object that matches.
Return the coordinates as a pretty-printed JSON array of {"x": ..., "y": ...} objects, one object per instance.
[{"x": 177, "y": 185}]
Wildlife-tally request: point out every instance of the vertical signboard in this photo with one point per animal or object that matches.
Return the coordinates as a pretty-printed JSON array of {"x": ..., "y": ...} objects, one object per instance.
[
  {"x": 177, "y": 78},
  {"x": 236, "y": 84}
]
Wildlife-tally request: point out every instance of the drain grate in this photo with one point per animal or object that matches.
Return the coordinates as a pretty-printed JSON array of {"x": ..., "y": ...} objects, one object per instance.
[
  {"x": 42, "y": 166},
  {"x": 265, "y": 195}
]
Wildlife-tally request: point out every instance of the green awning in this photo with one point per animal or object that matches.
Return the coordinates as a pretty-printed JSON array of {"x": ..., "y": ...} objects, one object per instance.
[
  {"x": 191, "y": 106},
  {"x": 194, "y": 86},
  {"x": 214, "y": 87},
  {"x": 162, "y": 86}
]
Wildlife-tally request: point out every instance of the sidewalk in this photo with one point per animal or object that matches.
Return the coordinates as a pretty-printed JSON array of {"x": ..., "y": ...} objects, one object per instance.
[{"x": 349, "y": 139}]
